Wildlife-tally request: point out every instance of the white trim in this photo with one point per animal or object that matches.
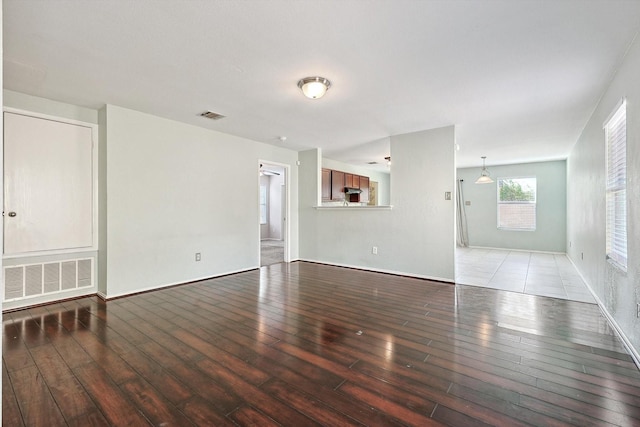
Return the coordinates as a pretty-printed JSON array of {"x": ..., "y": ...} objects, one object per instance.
[
  {"x": 612, "y": 321},
  {"x": 514, "y": 250},
  {"x": 48, "y": 298},
  {"x": 168, "y": 285},
  {"x": 382, "y": 270},
  {"x": 286, "y": 230},
  {"x": 619, "y": 104}
]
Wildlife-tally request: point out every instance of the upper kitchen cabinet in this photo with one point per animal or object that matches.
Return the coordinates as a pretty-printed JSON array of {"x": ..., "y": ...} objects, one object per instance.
[
  {"x": 337, "y": 185},
  {"x": 364, "y": 186},
  {"x": 326, "y": 185}
]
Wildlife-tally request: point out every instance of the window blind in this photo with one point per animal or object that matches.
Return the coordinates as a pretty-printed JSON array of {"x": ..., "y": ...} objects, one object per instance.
[{"x": 616, "y": 186}]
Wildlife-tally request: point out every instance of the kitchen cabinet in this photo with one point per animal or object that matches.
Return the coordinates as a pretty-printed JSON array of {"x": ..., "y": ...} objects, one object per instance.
[
  {"x": 364, "y": 186},
  {"x": 326, "y": 185},
  {"x": 334, "y": 182},
  {"x": 348, "y": 180},
  {"x": 337, "y": 185}
]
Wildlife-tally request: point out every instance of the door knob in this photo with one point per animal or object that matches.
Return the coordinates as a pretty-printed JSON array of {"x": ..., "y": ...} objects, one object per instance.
[{"x": 12, "y": 214}]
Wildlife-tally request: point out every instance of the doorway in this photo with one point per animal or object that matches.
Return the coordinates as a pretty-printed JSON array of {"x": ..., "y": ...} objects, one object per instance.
[{"x": 273, "y": 213}]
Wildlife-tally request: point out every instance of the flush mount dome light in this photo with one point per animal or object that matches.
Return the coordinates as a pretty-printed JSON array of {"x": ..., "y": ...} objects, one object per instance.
[{"x": 314, "y": 87}]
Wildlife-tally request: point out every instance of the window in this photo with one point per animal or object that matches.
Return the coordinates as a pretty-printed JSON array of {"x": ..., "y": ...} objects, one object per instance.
[
  {"x": 615, "y": 130},
  {"x": 517, "y": 203},
  {"x": 263, "y": 204}
]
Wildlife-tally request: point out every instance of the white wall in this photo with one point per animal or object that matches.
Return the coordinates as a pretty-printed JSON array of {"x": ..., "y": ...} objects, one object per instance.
[
  {"x": 416, "y": 237},
  {"x": 174, "y": 190},
  {"x": 49, "y": 107},
  {"x": 551, "y": 214},
  {"x": 618, "y": 292}
]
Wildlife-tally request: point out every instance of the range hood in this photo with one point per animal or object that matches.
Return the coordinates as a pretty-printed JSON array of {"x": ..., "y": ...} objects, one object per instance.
[{"x": 351, "y": 190}]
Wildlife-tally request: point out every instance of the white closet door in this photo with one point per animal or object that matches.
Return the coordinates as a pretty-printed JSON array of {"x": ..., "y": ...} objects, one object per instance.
[{"x": 48, "y": 185}]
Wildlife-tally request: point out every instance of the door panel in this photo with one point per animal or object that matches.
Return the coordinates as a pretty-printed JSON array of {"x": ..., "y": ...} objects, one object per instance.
[{"x": 48, "y": 185}]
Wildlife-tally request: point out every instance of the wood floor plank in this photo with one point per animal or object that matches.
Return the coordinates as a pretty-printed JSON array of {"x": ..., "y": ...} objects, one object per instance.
[
  {"x": 112, "y": 402},
  {"x": 202, "y": 413},
  {"x": 67, "y": 391},
  {"x": 37, "y": 406},
  {"x": 11, "y": 415},
  {"x": 248, "y": 416},
  {"x": 158, "y": 410},
  {"x": 217, "y": 396},
  {"x": 398, "y": 411},
  {"x": 311, "y": 344},
  {"x": 168, "y": 385},
  {"x": 307, "y": 404}
]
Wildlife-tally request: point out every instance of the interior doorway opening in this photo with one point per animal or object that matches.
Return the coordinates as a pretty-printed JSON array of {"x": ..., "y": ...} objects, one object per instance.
[{"x": 273, "y": 213}]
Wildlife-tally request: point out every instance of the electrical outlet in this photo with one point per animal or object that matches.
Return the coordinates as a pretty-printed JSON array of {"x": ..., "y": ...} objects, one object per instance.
[
  {"x": 447, "y": 195},
  {"x": 638, "y": 310},
  {"x": 198, "y": 256},
  {"x": 374, "y": 250}
]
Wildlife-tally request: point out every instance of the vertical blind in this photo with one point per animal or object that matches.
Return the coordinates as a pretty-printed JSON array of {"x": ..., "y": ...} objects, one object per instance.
[{"x": 616, "y": 198}]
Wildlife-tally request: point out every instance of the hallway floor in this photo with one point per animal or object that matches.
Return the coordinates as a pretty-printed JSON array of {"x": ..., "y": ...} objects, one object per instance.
[
  {"x": 532, "y": 273},
  {"x": 271, "y": 252}
]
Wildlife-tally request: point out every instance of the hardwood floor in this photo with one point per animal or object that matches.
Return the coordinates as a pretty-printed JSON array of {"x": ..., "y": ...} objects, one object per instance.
[{"x": 304, "y": 344}]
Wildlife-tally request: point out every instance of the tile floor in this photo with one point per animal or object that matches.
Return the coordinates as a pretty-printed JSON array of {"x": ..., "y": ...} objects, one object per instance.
[{"x": 532, "y": 273}]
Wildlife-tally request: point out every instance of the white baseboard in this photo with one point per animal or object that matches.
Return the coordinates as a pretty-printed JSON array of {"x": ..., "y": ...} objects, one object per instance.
[
  {"x": 382, "y": 270},
  {"x": 513, "y": 250},
  {"x": 612, "y": 322},
  {"x": 167, "y": 285}
]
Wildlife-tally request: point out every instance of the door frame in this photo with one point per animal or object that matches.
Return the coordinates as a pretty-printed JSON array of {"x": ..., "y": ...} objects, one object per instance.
[{"x": 286, "y": 195}]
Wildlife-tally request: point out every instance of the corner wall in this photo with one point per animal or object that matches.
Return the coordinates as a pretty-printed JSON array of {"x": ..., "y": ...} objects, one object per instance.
[
  {"x": 416, "y": 237},
  {"x": 617, "y": 292},
  {"x": 551, "y": 212},
  {"x": 173, "y": 190}
]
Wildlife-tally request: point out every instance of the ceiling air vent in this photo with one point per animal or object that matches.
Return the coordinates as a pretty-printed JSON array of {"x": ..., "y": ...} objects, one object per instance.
[{"x": 211, "y": 115}]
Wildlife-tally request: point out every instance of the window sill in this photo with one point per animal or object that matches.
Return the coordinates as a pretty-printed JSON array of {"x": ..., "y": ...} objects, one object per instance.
[
  {"x": 516, "y": 229},
  {"x": 615, "y": 264}
]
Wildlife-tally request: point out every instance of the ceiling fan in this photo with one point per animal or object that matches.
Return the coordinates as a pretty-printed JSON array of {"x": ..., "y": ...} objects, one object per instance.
[{"x": 267, "y": 172}]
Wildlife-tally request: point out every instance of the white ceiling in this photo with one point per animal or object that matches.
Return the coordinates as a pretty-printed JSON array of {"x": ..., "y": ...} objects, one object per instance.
[{"x": 518, "y": 79}]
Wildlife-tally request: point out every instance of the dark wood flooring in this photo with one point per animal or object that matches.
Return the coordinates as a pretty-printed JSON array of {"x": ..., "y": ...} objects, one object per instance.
[{"x": 304, "y": 344}]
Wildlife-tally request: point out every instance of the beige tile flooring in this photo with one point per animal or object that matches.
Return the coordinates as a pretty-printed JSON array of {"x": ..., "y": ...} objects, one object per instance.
[{"x": 532, "y": 273}]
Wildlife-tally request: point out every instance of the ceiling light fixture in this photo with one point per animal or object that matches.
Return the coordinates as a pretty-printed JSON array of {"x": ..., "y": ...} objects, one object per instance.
[
  {"x": 484, "y": 174},
  {"x": 314, "y": 87}
]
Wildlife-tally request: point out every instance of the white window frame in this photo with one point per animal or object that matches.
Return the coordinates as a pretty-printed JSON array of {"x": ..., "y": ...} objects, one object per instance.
[
  {"x": 615, "y": 130},
  {"x": 533, "y": 202}
]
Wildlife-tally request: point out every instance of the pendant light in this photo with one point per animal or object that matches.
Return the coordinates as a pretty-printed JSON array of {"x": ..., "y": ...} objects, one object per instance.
[{"x": 484, "y": 174}]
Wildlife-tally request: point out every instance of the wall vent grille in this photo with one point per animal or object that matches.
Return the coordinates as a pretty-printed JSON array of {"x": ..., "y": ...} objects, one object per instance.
[
  {"x": 211, "y": 115},
  {"x": 29, "y": 280}
]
